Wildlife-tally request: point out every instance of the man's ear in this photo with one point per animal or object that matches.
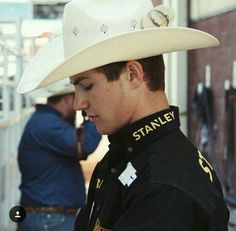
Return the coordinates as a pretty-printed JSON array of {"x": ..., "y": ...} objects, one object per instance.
[{"x": 135, "y": 72}]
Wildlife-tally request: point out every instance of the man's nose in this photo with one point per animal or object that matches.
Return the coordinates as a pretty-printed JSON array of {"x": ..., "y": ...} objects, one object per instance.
[{"x": 80, "y": 103}]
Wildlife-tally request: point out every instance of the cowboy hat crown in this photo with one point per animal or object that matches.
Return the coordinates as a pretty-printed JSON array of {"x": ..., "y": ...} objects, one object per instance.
[{"x": 96, "y": 33}]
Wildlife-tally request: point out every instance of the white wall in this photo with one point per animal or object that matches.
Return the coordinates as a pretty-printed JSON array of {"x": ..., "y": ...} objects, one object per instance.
[{"x": 176, "y": 66}]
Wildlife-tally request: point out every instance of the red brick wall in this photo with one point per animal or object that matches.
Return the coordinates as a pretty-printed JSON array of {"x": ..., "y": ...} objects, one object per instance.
[{"x": 220, "y": 59}]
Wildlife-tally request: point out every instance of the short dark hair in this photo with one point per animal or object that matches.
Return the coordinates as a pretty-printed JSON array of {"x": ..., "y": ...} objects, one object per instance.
[
  {"x": 154, "y": 70},
  {"x": 54, "y": 99}
]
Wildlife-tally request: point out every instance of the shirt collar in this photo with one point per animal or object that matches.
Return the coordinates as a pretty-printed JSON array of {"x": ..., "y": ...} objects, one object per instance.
[{"x": 134, "y": 136}]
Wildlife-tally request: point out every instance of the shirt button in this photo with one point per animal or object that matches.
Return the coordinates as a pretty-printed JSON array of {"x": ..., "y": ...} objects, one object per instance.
[
  {"x": 113, "y": 170},
  {"x": 130, "y": 149}
]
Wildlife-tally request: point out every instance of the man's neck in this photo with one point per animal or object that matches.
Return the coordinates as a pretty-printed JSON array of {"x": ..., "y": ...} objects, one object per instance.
[{"x": 150, "y": 104}]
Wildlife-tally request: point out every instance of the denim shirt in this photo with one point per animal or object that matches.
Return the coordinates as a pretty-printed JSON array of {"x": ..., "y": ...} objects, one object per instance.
[{"x": 51, "y": 176}]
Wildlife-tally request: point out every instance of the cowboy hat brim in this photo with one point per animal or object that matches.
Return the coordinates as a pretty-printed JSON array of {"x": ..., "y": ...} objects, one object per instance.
[
  {"x": 60, "y": 87},
  {"x": 49, "y": 65}
]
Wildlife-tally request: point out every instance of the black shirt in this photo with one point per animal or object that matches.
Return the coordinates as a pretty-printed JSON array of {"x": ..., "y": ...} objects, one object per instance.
[{"x": 153, "y": 178}]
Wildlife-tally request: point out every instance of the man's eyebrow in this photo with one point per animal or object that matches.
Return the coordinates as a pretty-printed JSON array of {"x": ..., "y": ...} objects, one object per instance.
[{"x": 78, "y": 80}]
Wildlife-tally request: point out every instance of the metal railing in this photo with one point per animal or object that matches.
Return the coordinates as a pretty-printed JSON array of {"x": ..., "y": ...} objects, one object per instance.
[{"x": 14, "y": 112}]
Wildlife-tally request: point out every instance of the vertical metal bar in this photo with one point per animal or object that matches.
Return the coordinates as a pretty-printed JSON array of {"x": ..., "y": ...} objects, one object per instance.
[
  {"x": 234, "y": 75},
  {"x": 208, "y": 76},
  {"x": 19, "y": 65},
  {"x": 5, "y": 90}
]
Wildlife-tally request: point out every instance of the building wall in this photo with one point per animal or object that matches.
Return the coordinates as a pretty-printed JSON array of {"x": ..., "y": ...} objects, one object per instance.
[
  {"x": 221, "y": 61},
  {"x": 201, "y": 9}
]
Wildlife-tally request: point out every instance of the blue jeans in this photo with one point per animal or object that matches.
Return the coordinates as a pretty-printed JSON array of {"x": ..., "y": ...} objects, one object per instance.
[{"x": 35, "y": 221}]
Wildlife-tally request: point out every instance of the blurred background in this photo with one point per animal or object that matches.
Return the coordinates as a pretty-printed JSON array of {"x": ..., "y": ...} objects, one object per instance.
[{"x": 202, "y": 82}]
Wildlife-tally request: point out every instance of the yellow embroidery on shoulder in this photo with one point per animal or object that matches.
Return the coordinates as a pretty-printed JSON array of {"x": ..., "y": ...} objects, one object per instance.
[{"x": 207, "y": 168}]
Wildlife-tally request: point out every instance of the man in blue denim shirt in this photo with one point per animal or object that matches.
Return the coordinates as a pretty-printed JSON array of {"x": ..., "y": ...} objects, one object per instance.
[{"x": 52, "y": 186}]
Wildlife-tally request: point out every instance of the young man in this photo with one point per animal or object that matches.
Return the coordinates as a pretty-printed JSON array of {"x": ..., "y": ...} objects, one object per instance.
[
  {"x": 152, "y": 177},
  {"x": 52, "y": 186}
]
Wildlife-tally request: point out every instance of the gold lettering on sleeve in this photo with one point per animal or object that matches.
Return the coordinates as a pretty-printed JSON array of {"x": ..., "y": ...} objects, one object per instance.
[{"x": 205, "y": 165}]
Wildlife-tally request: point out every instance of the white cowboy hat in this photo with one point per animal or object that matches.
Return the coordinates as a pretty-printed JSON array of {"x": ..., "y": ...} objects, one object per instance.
[
  {"x": 61, "y": 87},
  {"x": 97, "y": 32}
]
